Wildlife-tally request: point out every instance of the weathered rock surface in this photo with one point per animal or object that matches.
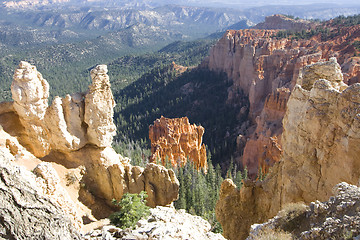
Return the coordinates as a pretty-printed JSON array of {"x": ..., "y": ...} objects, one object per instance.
[
  {"x": 176, "y": 140},
  {"x": 25, "y": 212},
  {"x": 76, "y": 132},
  {"x": 64, "y": 120},
  {"x": 337, "y": 218},
  {"x": 99, "y": 108},
  {"x": 279, "y": 21},
  {"x": 320, "y": 149},
  {"x": 265, "y": 68},
  {"x": 68, "y": 124},
  {"x": 265, "y": 143},
  {"x": 163, "y": 223},
  {"x": 30, "y": 93}
]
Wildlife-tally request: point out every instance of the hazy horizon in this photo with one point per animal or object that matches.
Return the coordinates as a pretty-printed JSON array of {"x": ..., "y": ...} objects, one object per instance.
[{"x": 260, "y": 3}]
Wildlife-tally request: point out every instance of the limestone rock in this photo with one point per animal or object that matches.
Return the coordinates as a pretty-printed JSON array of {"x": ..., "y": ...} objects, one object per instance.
[
  {"x": 320, "y": 149},
  {"x": 99, "y": 108},
  {"x": 330, "y": 71},
  {"x": 76, "y": 132},
  {"x": 176, "y": 140},
  {"x": 261, "y": 66},
  {"x": 279, "y": 21},
  {"x": 337, "y": 218},
  {"x": 263, "y": 149},
  {"x": 30, "y": 93},
  {"x": 109, "y": 176},
  {"x": 161, "y": 185},
  {"x": 64, "y": 120},
  {"x": 163, "y": 223},
  {"x": 49, "y": 178},
  {"x": 25, "y": 212}
]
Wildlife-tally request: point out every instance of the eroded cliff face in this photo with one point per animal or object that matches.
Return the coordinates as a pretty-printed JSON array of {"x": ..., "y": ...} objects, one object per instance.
[
  {"x": 265, "y": 69},
  {"x": 177, "y": 141},
  {"x": 320, "y": 149},
  {"x": 75, "y": 133},
  {"x": 279, "y": 21}
]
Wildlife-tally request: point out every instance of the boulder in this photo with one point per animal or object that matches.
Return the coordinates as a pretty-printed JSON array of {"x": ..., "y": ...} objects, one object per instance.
[{"x": 26, "y": 212}]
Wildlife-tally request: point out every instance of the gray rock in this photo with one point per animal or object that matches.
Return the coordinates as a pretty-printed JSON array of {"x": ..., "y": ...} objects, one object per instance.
[
  {"x": 25, "y": 213},
  {"x": 165, "y": 223},
  {"x": 338, "y": 218}
]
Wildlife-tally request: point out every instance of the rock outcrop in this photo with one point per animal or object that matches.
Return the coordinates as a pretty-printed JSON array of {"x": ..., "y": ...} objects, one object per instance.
[
  {"x": 279, "y": 21},
  {"x": 320, "y": 149},
  {"x": 76, "y": 133},
  {"x": 337, "y": 218},
  {"x": 68, "y": 124},
  {"x": 99, "y": 109},
  {"x": 25, "y": 211},
  {"x": 265, "y": 69},
  {"x": 176, "y": 140},
  {"x": 30, "y": 93},
  {"x": 163, "y": 223}
]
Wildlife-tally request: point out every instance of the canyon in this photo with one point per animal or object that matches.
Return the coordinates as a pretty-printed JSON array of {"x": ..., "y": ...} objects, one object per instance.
[
  {"x": 265, "y": 68},
  {"x": 319, "y": 150}
]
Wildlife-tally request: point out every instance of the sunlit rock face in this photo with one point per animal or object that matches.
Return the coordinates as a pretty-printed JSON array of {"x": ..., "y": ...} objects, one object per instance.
[
  {"x": 265, "y": 69},
  {"x": 320, "y": 149},
  {"x": 177, "y": 141},
  {"x": 77, "y": 131}
]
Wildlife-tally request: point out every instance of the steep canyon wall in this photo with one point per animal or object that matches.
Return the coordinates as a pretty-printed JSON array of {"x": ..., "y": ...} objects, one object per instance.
[
  {"x": 265, "y": 69},
  {"x": 320, "y": 149}
]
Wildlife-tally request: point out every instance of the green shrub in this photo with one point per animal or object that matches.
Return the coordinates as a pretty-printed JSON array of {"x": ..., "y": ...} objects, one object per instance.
[{"x": 132, "y": 209}]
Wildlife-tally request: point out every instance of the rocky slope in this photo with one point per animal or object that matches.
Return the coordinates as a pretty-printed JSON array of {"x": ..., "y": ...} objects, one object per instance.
[
  {"x": 177, "y": 141},
  {"x": 337, "y": 218},
  {"x": 162, "y": 223},
  {"x": 26, "y": 211},
  {"x": 319, "y": 143},
  {"x": 75, "y": 134},
  {"x": 265, "y": 69}
]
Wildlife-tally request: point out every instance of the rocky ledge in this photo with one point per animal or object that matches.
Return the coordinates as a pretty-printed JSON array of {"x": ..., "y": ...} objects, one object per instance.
[
  {"x": 337, "y": 218},
  {"x": 162, "y": 223}
]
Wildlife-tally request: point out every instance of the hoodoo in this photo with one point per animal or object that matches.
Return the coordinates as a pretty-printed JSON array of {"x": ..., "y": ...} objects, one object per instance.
[
  {"x": 176, "y": 140},
  {"x": 74, "y": 135}
]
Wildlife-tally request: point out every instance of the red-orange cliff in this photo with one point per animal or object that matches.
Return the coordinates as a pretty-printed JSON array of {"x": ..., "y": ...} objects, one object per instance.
[
  {"x": 265, "y": 69},
  {"x": 177, "y": 141}
]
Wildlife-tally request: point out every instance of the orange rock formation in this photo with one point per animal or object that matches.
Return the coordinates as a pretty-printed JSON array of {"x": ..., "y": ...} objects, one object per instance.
[
  {"x": 176, "y": 140},
  {"x": 265, "y": 69}
]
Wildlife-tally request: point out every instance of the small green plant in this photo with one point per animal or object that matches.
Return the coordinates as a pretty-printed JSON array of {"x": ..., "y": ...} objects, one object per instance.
[{"x": 132, "y": 209}]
